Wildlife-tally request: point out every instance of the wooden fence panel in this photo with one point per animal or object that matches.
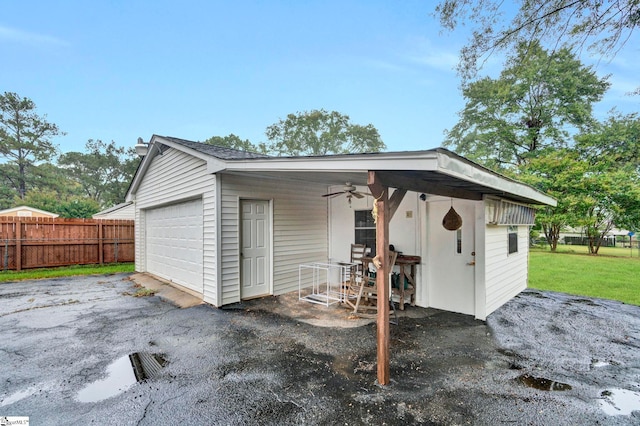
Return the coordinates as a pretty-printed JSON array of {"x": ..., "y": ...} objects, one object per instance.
[{"x": 44, "y": 242}]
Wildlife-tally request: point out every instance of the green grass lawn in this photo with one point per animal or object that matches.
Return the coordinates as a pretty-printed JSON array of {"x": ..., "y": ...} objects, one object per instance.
[
  {"x": 609, "y": 275},
  {"x": 68, "y": 271}
]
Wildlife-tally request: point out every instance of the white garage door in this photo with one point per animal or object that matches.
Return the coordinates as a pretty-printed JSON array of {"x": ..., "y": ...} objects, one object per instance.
[{"x": 174, "y": 243}]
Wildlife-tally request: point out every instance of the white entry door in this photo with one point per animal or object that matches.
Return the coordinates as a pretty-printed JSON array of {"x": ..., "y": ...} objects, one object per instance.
[
  {"x": 452, "y": 258},
  {"x": 255, "y": 255}
]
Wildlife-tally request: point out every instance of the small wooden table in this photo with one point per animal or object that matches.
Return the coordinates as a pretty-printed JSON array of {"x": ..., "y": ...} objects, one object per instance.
[{"x": 407, "y": 265}]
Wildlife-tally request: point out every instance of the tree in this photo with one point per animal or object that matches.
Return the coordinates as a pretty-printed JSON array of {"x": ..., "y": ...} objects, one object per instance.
[
  {"x": 234, "y": 142},
  {"x": 320, "y": 132},
  {"x": 613, "y": 153},
  {"x": 25, "y": 140},
  {"x": 534, "y": 104},
  {"x": 560, "y": 174},
  {"x": 603, "y": 26},
  {"x": 591, "y": 195},
  {"x": 612, "y": 199},
  {"x": 103, "y": 172},
  {"x": 616, "y": 141},
  {"x": 68, "y": 206}
]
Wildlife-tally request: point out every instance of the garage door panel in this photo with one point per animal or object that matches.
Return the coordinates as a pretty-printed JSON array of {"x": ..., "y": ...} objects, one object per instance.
[{"x": 175, "y": 243}]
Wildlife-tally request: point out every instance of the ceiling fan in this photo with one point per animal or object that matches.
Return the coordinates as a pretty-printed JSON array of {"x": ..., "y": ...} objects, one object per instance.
[{"x": 349, "y": 190}]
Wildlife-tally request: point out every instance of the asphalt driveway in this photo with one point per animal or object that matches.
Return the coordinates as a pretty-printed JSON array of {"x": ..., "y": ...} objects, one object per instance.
[{"x": 543, "y": 358}]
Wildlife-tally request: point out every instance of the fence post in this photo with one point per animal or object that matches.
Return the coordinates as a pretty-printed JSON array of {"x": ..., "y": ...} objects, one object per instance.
[
  {"x": 115, "y": 249},
  {"x": 19, "y": 245},
  {"x": 100, "y": 243},
  {"x": 6, "y": 254}
]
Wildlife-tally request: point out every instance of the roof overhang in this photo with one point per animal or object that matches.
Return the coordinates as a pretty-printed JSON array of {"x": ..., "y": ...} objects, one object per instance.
[{"x": 437, "y": 171}]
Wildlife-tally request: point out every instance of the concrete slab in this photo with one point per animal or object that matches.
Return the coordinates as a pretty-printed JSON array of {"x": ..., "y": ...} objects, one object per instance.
[{"x": 167, "y": 291}]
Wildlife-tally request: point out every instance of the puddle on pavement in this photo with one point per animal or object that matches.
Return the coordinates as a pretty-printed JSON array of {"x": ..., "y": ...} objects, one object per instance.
[
  {"x": 599, "y": 364},
  {"x": 542, "y": 383},
  {"x": 122, "y": 374},
  {"x": 619, "y": 402},
  {"x": 17, "y": 396}
]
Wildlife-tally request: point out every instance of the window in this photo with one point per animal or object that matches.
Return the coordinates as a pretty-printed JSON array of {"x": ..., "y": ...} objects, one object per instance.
[
  {"x": 513, "y": 239},
  {"x": 365, "y": 229},
  {"x": 459, "y": 241}
]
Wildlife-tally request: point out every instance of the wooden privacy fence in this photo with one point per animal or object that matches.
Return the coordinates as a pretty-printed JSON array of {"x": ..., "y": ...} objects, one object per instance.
[{"x": 27, "y": 242}]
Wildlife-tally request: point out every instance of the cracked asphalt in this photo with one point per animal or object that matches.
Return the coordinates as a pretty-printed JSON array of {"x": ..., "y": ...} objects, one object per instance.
[{"x": 255, "y": 366}]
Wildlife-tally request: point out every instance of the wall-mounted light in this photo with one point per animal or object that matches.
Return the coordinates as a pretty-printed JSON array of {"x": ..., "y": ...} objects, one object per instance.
[
  {"x": 141, "y": 148},
  {"x": 423, "y": 197}
]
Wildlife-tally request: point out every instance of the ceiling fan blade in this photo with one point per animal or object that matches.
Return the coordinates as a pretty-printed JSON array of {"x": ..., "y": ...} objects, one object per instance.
[
  {"x": 333, "y": 193},
  {"x": 361, "y": 194}
]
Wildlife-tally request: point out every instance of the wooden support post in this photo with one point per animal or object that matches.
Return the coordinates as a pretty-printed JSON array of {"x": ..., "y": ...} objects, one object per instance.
[
  {"x": 381, "y": 208},
  {"x": 18, "y": 245}
]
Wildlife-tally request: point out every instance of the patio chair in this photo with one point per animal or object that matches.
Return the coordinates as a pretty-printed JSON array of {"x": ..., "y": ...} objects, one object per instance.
[
  {"x": 356, "y": 278},
  {"x": 369, "y": 290},
  {"x": 358, "y": 252}
]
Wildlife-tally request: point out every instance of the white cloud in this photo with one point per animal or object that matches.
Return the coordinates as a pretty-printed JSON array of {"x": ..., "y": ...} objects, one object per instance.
[
  {"x": 14, "y": 35},
  {"x": 425, "y": 53}
]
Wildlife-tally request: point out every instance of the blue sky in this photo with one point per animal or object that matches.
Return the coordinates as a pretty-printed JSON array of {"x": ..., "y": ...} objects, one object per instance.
[{"x": 116, "y": 70}]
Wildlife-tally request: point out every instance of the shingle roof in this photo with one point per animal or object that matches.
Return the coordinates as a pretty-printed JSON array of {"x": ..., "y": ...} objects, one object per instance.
[{"x": 220, "y": 152}]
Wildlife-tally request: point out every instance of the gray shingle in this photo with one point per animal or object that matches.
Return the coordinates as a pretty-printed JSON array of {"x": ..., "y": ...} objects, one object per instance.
[{"x": 220, "y": 152}]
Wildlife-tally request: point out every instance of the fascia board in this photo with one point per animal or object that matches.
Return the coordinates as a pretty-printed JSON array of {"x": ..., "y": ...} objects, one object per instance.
[
  {"x": 142, "y": 170},
  {"x": 463, "y": 170},
  {"x": 214, "y": 165},
  {"x": 356, "y": 163}
]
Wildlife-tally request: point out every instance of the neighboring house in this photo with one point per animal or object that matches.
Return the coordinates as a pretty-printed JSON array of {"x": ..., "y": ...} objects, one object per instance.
[
  {"x": 229, "y": 225},
  {"x": 119, "y": 211},
  {"x": 25, "y": 211}
]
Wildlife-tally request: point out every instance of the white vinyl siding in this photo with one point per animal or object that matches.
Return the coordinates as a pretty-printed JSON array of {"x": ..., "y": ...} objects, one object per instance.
[
  {"x": 505, "y": 275},
  {"x": 299, "y": 232},
  {"x": 171, "y": 178}
]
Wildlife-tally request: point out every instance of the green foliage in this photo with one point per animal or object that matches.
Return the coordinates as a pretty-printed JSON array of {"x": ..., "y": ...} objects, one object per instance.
[
  {"x": 69, "y": 206},
  {"x": 616, "y": 142},
  {"x": 615, "y": 278},
  {"x": 534, "y": 104},
  {"x": 234, "y": 142},
  {"x": 103, "y": 171},
  {"x": 320, "y": 132},
  {"x": 611, "y": 198},
  {"x": 612, "y": 188},
  {"x": 79, "y": 207},
  {"x": 25, "y": 141},
  {"x": 558, "y": 173},
  {"x": 602, "y": 25}
]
